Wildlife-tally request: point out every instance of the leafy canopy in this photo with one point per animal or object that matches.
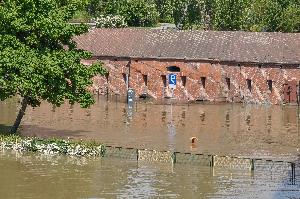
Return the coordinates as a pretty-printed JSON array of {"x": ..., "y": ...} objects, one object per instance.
[
  {"x": 136, "y": 12},
  {"x": 38, "y": 59},
  {"x": 248, "y": 15}
]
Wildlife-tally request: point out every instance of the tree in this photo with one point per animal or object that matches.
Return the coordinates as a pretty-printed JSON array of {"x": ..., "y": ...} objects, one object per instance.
[
  {"x": 290, "y": 19},
  {"x": 272, "y": 15},
  {"x": 228, "y": 14},
  {"x": 38, "y": 58},
  {"x": 136, "y": 12},
  {"x": 139, "y": 12},
  {"x": 165, "y": 10},
  {"x": 193, "y": 14},
  {"x": 188, "y": 14}
]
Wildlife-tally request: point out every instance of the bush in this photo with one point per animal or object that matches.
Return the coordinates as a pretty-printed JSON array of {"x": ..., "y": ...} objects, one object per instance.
[
  {"x": 51, "y": 146},
  {"x": 110, "y": 21}
]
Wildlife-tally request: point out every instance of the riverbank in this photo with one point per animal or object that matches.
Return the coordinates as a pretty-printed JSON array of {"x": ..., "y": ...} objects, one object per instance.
[
  {"x": 51, "y": 146},
  {"x": 68, "y": 147}
]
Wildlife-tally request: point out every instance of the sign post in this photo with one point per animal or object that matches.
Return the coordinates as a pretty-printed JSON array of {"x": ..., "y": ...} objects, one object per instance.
[
  {"x": 172, "y": 82},
  {"x": 130, "y": 97}
]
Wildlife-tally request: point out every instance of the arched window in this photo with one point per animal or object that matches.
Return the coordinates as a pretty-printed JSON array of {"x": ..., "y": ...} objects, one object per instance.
[{"x": 173, "y": 69}]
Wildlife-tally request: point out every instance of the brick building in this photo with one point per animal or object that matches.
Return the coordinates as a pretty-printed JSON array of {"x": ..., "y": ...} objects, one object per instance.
[{"x": 210, "y": 66}]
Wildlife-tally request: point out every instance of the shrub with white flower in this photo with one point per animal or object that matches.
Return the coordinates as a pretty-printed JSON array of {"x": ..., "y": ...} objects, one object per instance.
[
  {"x": 51, "y": 146},
  {"x": 110, "y": 21}
]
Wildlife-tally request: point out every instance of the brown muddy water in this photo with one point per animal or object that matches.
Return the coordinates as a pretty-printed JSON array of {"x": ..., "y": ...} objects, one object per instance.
[
  {"x": 38, "y": 176},
  {"x": 226, "y": 129}
]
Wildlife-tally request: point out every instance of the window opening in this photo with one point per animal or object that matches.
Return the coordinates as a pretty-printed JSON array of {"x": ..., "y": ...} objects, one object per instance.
[
  {"x": 227, "y": 79},
  {"x": 203, "y": 80},
  {"x": 270, "y": 85},
  {"x": 164, "y": 79},
  {"x": 124, "y": 77},
  {"x": 183, "y": 80},
  {"x": 249, "y": 84},
  {"x": 173, "y": 69},
  {"x": 145, "y": 78}
]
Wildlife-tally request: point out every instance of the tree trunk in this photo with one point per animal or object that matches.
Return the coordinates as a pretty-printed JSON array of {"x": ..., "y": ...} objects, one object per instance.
[{"x": 21, "y": 113}]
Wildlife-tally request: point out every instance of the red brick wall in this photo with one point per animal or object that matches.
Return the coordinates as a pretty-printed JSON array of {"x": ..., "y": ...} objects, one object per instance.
[{"x": 216, "y": 88}]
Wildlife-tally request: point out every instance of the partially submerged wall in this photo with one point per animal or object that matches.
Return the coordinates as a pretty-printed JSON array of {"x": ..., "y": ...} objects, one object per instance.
[{"x": 207, "y": 81}]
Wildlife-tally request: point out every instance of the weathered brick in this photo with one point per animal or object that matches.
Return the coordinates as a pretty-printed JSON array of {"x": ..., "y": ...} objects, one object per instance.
[{"x": 216, "y": 88}]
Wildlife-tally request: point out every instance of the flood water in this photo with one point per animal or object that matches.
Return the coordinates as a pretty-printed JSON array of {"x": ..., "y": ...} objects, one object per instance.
[
  {"x": 256, "y": 131},
  {"x": 226, "y": 129},
  {"x": 38, "y": 176}
]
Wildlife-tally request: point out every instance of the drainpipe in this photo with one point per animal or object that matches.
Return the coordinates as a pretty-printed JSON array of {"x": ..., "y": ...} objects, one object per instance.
[
  {"x": 130, "y": 92},
  {"x": 298, "y": 97},
  {"x": 128, "y": 76}
]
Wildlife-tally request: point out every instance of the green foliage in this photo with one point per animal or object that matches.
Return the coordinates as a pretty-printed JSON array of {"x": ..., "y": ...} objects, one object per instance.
[
  {"x": 248, "y": 15},
  {"x": 81, "y": 16},
  {"x": 165, "y": 10},
  {"x": 272, "y": 15},
  {"x": 139, "y": 12},
  {"x": 186, "y": 13},
  {"x": 263, "y": 15},
  {"x": 38, "y": 59},
  {"x": 228, "y": 14},
  {"x": 192, "y": 14},
  {"x": 136, "y": 12},
  {"x": 290, "y": 19}
]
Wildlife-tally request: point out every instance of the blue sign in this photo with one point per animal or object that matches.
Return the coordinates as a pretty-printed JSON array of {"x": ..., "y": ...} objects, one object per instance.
[{"x": 172, "y": 80}]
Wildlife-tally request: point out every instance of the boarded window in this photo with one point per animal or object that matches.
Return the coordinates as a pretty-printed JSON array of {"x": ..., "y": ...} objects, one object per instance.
[
  {"x": 270, "y": 85},
  {"x": 145, "y": 78},
  {"x": 227, "y": 79},
  {"x": 164, "y": 79},
  {"x": 203, "y": 80},
  {"x": 249, "y": 84},
  {"x": 183, "y": 80}
]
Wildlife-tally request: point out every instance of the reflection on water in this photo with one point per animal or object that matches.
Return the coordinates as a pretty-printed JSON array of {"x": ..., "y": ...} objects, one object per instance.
[
  {"x": 256, "y": 131},
  {"x": 37, "y": 176},
  {"x": 8, "y": 113},
  {"x": 236, "y": 129}
]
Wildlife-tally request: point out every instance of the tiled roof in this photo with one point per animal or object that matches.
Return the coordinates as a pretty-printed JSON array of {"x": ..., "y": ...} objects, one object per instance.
[{"x": 239, "y": 46}]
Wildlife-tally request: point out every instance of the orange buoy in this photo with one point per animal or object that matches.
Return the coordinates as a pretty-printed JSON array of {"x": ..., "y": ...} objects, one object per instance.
[{"x": 193, "y": 139}]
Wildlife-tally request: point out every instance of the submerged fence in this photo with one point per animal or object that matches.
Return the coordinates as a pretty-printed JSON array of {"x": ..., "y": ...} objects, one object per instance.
[{"x": 198, "y": 159}]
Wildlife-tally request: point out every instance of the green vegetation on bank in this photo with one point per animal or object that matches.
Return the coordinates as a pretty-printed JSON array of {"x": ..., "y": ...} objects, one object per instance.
[
  {"x": 51, "y": 146},
  {"x": 248, "y": 15},
  {"x": 39, "y": 60}
]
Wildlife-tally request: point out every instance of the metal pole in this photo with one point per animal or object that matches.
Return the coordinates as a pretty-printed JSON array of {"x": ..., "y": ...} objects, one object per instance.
[
  {"x": 172, "y": 92},
  {"x": 252, "y": 164},
  {"x": 129, "y": 66},
  {"x": 293, "y": 177},
  {"x": 128, "y": 79},
  {"x": 298, "y": 96},
  {"x": 127, "y": 82}
]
